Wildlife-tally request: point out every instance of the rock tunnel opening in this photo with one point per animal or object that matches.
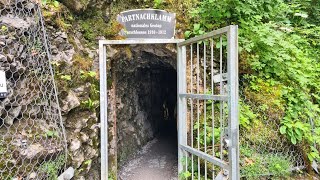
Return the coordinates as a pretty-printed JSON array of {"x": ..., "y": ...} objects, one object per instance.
[{"x": 145, "y": 83}]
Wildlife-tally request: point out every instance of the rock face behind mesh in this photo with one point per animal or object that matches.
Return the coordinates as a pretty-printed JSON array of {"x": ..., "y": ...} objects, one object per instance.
[{"x": 32, "y": 142}]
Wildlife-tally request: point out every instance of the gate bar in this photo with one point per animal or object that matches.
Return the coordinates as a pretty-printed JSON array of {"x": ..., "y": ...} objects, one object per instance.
[
  {"x": 205, "y": 36},
  {"x": 233, "y": 88},
  {"x": 203, "y": 155},
  {"x": 204, "y": 97},
  {"x": 103, "y": 111}
]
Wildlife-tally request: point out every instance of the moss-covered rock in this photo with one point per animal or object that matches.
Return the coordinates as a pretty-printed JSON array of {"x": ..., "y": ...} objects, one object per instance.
[{"x": 77, "y": 6}]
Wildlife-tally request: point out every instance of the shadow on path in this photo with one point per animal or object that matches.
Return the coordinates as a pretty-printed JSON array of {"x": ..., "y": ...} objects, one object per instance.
[{"x": 157, "y": 160}]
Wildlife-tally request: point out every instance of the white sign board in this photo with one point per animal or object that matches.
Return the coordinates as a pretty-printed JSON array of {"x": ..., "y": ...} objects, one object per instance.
[
  {"x": 220, "y": 78},
  {"x": 147, "y": 24},
  {"x": 3, "y": 85}
]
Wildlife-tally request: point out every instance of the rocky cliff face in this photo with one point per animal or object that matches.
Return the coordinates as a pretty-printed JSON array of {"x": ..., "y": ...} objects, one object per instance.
[
  {"x": 74, "y": 28},
  {"x": 78, "y": 106},
  {"x": 32, "y": 141},
  {"x": 31, "y": 130}
]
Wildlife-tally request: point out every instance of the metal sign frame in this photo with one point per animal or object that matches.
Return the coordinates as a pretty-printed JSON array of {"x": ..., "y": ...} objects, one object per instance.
[{"x": 233, "y": 129}]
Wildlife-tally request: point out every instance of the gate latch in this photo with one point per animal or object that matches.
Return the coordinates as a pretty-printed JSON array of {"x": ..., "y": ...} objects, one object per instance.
[
  {"x": 226, "y": 143},
  {"x": 223, "y": 175}
]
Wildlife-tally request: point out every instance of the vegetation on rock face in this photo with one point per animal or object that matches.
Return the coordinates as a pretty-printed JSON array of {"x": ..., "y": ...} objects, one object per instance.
[
  {"x": 279, "y": 66},
  {"x": 51, "y": 168}
]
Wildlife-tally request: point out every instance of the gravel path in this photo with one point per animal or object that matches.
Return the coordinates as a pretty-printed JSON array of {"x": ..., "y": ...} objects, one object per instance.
[{"x": 157, "y": 160}]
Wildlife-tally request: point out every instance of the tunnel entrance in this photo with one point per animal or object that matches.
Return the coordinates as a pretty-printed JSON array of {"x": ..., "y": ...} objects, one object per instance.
[
  {"x": 145, "y": 84},
  {"x": 129, "y": 122}
]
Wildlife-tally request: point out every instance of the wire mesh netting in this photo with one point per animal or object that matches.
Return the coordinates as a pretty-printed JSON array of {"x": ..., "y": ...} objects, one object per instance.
[
  {"x": 264, "y": 150},
  {"x": 32, "y": 137}
]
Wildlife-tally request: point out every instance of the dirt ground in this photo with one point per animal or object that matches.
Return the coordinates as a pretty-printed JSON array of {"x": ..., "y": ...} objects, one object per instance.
[{"x": 157, "y": 160}]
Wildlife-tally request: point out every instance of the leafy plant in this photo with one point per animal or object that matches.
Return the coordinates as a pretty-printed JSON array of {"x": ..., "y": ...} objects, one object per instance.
[
  {"x": 4, "y": 28},
  {"x": 279, "y": 54},
  {"x": 294, "y": 130},
  {"x": 52, "y": 134},
  {"x": 185, "y": 175},
  {"x": 246, "y": 116},
  {"x": 65, "y": 77},
  {"x": 314, "y": 154},
  {"x": 197, "y": 30},
  {"x": 157, "y": 3},
  {"x": 50, "y": 2},
  {"x": 90, "y": 104},
  {"x": 51, "y": 168},
  {"x": 88, "y": 74}
]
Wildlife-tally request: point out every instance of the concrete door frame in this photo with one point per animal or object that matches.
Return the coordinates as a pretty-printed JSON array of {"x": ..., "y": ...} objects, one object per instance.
[{"x": 103, "y": 90}]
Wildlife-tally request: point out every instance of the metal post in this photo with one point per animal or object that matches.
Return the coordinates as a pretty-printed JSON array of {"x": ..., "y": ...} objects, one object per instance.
[
  {"x": 233, "y": 102},
  {"x": 103, "y": 111},
  {"x": 180, "y": 153},
  {"x": 182, "y": 102}
]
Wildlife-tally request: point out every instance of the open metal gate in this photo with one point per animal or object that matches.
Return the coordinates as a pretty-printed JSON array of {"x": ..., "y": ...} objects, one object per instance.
[{"x": 208, "y": 128}]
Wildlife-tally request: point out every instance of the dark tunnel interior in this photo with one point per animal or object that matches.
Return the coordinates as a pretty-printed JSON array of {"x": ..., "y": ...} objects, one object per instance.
[{"x": 145, "y": 81}]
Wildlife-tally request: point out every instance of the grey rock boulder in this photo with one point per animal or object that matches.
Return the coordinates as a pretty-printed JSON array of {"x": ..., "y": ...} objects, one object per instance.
[
  {"x": 69, "y": 102},
  {"x": 13, "y": 113}
]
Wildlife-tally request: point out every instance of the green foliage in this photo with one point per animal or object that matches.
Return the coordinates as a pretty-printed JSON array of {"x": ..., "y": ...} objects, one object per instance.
[
  {"x": 197, "y": 30},
  {"x": 51, "y": 168},
  {"x": 90, "y": 104},
  {"x": 89, "y": 74},
  {"x": 247, "y": 116},
  {"x": 53, "y": 3},
  {"x": 208, "y": 133},
  {"x": 51, "y": 134},
  {"x": 294, "y": 130},
  {"x": 185, "y": 175},
  {"x": 279, "y": 44},
  {"x": 314, "y": 154},
  {"x": 255, "y": 164},
  {"x": 157, "y": 3},
  {"x": 4, "y": 28},
  {"x": 66, "y": 77}
]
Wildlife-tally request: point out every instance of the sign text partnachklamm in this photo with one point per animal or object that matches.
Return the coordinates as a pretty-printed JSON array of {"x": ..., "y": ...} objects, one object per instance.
[{"x": 148, "y": 24}]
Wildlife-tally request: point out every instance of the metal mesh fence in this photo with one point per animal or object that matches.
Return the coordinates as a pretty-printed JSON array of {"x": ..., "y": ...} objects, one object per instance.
[
  {"x": 264, "y": 150},
  {"x": 32, "y": 137}
]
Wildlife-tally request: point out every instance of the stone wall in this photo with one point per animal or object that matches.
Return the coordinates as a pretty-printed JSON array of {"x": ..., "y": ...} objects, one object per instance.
[
  {"x": 81, "y": 123},
  {"x": 32, "y": 139}
]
